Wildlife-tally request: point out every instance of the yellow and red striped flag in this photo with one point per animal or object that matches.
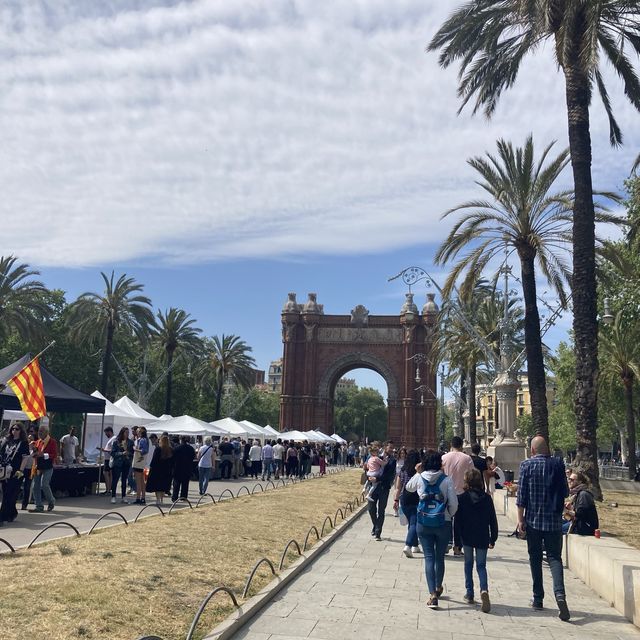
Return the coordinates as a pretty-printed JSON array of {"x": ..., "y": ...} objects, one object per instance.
[{"x": 28, "y": 387}]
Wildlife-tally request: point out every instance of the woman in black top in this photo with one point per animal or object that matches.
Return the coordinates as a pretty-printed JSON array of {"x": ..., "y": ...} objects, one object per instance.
[
  {"x": 13, "y": 450},
  {"x": 582, "y": 512}
]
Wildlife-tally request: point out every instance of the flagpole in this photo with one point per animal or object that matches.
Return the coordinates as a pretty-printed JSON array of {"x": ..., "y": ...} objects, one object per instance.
[{"x": 45, "y": 349}]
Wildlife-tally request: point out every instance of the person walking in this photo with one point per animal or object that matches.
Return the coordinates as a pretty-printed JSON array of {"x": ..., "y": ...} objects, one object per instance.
[
  {"x": 183, "y": 456},
  {"x": 542, "y": 489},
  {"x": 267, "y": 460},
  {"x": 480, "y": 464},
  {"x": 13, "y": 453},
  {"x": 106, "y": 452},
  {"x": 455, "y": 464},
  {"x": 206, "y": 462},
  {"x": 161, "y": 469},
  {"x": 478, "y": 525},
  {"x": 44, "y": 454},
  {"x": 27, "y": 473},
  {"x": 278, "y": 458},
  {"x": 438, "y": 504},
  {"x": 121, "y": 457},
  {"x": 292, "y": 460},
  {"x": 226, "y": 458},
  {"x": 255, "y": 457},
  {"x": 378, "y": 503},
  {"x": 408, "y": 502}
]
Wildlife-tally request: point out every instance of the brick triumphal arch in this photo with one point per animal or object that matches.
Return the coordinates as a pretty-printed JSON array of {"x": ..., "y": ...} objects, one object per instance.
[{"x": 319, "y": 349}]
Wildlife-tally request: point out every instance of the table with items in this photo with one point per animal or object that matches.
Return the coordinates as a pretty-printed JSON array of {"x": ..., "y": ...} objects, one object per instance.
[{"x": 75, "y": 479}]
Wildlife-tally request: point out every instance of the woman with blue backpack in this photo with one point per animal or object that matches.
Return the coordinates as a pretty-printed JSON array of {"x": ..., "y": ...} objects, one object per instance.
[{"x": 438, "y": 503}]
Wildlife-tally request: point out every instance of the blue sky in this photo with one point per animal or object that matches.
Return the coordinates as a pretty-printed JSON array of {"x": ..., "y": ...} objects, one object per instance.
[{"x": 225, "y": 153}]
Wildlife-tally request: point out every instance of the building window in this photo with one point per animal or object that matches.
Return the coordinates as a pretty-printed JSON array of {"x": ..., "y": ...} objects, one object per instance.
[
  {"x": 521, "y": 399},
  {"x": 491, "y": 401},
  {"x": 520, "y": 411},
  {"x": 490, "y": 414}
]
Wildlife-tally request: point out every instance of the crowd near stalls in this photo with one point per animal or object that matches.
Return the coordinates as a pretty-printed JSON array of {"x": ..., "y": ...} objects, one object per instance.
[{"x": 128, "y": 455}]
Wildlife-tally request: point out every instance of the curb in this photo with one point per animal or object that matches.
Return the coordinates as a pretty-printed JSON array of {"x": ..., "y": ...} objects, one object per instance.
[{"x": 243, "y": 614}]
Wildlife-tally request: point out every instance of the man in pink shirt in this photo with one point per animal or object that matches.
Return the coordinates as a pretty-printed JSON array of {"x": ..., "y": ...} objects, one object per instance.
[{"x": 455, "y": 464}]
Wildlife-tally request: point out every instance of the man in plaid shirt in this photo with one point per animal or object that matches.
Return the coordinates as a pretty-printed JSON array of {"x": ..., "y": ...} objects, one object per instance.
[{"x": 542, "y": 488}]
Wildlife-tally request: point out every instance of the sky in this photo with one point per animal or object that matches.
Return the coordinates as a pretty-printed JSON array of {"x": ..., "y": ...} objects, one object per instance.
[{"x": 226, "y": 153}]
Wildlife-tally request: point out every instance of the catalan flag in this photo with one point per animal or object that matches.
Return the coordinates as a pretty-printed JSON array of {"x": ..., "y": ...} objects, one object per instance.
[{"x": 28, "y": 387}]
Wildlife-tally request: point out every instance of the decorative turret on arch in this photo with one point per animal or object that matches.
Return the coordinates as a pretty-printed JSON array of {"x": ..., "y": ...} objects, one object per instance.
[{"x": 320, "y": 348}]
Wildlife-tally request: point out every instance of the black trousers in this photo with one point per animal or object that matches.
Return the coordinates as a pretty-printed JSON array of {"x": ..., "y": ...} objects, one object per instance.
[
  {"x": 180, "y": 487},
  {"x": 26, "y": 488},
  {"x": 377, "y": 508},
  {"x": 10, "y": 489}
]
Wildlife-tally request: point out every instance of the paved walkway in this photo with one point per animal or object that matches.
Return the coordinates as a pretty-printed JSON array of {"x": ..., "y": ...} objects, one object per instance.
[
  {"x": 82, "y": 512},
  {"x": 363, "y": 589}
]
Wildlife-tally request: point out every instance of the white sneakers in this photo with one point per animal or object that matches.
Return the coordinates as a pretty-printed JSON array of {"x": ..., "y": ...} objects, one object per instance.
[
  {"x": 407, "y": 552},
  {"x": 113, "y": 500},
  {"x": 415, "y": 549}
]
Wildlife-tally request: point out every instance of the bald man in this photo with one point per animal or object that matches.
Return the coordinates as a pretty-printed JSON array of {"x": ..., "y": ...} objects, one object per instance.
[{"x": 542, "y": 488}]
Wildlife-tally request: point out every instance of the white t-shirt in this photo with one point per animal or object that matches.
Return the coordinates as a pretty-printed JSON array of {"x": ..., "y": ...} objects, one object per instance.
[
  {"x": 69, "y": 444},
  {"x": 278, "y": 452},
  {"x": 204, "y": 456},
  {"x": 109, "y": 446},
  {"x": 255, "y": 453}
]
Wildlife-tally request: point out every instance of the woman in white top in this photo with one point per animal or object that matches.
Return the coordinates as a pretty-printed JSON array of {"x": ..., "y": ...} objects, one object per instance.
[
  {"x": 206, "y": 462},
  {"x": 438, "y": 504},
  {"x": 255, "y": 457}
]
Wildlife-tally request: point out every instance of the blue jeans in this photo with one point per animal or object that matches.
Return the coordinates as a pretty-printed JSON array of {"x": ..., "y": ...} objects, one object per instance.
[
  {"x": 267, "y": 468},
  {"x": 411, "y": 513},
  {"x": 434, "y": 541},
  {"x": 481, "y": 568},
  {"x": 552, "y": 541},
  {"x": 41, "y": 484},
  {"x": 204, "y": 473},
  {"x": 565, "y": 526}
]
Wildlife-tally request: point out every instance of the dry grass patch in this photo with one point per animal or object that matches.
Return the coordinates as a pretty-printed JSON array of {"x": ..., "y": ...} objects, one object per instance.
[
  {"x": 621, "y": 521},
  {"x": 150, "y": 577}
]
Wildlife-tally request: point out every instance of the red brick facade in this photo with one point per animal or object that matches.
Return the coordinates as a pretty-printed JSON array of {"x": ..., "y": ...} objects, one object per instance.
[{"x": 319, "y": 349}]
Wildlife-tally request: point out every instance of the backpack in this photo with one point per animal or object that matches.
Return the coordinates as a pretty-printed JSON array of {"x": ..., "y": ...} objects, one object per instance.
[{"x": 432, "y": 507}]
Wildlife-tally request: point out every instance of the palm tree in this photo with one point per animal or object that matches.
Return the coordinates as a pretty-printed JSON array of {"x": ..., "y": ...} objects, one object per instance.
[
  {"x": 491, "y": 38},
  {"x": 228, "y": 360},
  {"x": 523, "y": 215},
  {"x": 172, "y": 330},
  {"x": 23, "y": 307},
  {"x": 620, "y": 351},
  {"x": 97, "y": 318}
]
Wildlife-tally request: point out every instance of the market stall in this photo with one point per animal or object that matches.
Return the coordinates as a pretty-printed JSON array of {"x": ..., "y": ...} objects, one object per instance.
[{"x": 59, "y": 397}]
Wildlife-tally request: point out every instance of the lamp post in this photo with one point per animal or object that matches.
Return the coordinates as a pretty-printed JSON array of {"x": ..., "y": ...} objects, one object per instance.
[
  {"x": 442, "y": 421},
  {"x": 364, "y": 428}
]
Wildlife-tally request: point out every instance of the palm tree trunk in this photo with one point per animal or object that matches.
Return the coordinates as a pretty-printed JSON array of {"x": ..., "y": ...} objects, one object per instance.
[
  {"x": 473, "y": 430},
  {"x": 533, "y": 346},
  {"x": 585, "y": 325},
  {"x": 219, "y": 390},
  {"x": 167, "y": 401},
  {"x": 630, "y": 424},
  {"x": 106, "y": 360}
]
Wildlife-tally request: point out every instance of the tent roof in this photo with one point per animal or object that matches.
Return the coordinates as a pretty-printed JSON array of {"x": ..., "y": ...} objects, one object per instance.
[
  {"x": 294, "y": 435},
  {"x": 257, "y": 429},
  {"x": 129, "y": 406},
  {"x": 231, "y": 427},
  {"x": 165, "y": 416},
  {"x": 184, "y": 426},
  {"x": 110, "y": 409},
  {"x": 270, "y": 430},
  {"x": 338, "y": 438},
  {"x": 59, "y": 396}
]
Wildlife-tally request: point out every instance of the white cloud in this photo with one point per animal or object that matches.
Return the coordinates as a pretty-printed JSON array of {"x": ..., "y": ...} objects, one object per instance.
[{"x": 208, "y": 130}]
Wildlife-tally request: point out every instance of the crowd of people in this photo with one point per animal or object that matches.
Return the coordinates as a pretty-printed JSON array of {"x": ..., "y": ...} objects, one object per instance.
[
  {"x": 136, "y": 463},
  {"x": 446, "y": 502}
]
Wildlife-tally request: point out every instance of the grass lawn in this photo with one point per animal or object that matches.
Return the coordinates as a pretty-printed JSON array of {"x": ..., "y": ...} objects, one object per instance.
[
  {"x": 622, "y": 521},
  {"x": 150, "y": 577}
]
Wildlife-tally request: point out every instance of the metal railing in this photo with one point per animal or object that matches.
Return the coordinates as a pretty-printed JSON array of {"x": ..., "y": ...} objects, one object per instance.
[{"x": 614, "y": 472}]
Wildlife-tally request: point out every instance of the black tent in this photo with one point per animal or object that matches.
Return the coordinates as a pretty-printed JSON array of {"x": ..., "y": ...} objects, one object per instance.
[{"x": 59, "y": 395}]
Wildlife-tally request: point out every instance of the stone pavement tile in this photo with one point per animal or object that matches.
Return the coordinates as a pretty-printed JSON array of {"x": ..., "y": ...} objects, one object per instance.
[
  {"x": 337, "y": 587},
  {"x": 400, "y": 620},
  {"x": 374, "y": 604},
  {"x": 277, "y": 636},
  {"x": 243, "y": 634},
  {"x": 332, "y": 614},
  {"x": 287, "y": 595},
  {"x": 346, "y": 631},
  {"x": 372, "y": 582},
  {"x": 275, "y": 624},
  {"x": 514, "y": 631},
  {"x": 395, "y": 633},
  {"x": 281, "y": 608}
]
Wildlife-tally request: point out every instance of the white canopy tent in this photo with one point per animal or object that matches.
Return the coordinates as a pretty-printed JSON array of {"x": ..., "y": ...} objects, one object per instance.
[
  {"x": 235, "y": 429},
  {"x": 184, "y": 426},
  {"x": 269, "y": 430},
  {"x": 19, "y": 416},
  {"x": 257, "y": 427},
  {"x": 165, "y": 416},
  {"x": 129, "y": 406},
  {"x": 338, "y": 438},
  {"x": 298, "y": 436},
  {"x": 114, "y": 417}
]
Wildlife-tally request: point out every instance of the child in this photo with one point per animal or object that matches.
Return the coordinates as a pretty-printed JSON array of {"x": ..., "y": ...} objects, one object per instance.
[
  {"x": 478, "y": 526},
  {"x": 374, "y": 466},
  {"x": 495, "y": 474}
]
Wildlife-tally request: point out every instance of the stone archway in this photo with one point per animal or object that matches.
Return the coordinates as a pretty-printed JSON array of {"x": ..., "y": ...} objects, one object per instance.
[{"x": 318, "y": 348}]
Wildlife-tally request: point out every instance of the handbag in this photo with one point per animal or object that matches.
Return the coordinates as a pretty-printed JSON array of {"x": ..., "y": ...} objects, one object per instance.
[{"x": 5, "y": 472}]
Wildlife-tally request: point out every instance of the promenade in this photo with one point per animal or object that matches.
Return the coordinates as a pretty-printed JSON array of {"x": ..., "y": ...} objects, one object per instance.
[{"x": 363, "y": 589}]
